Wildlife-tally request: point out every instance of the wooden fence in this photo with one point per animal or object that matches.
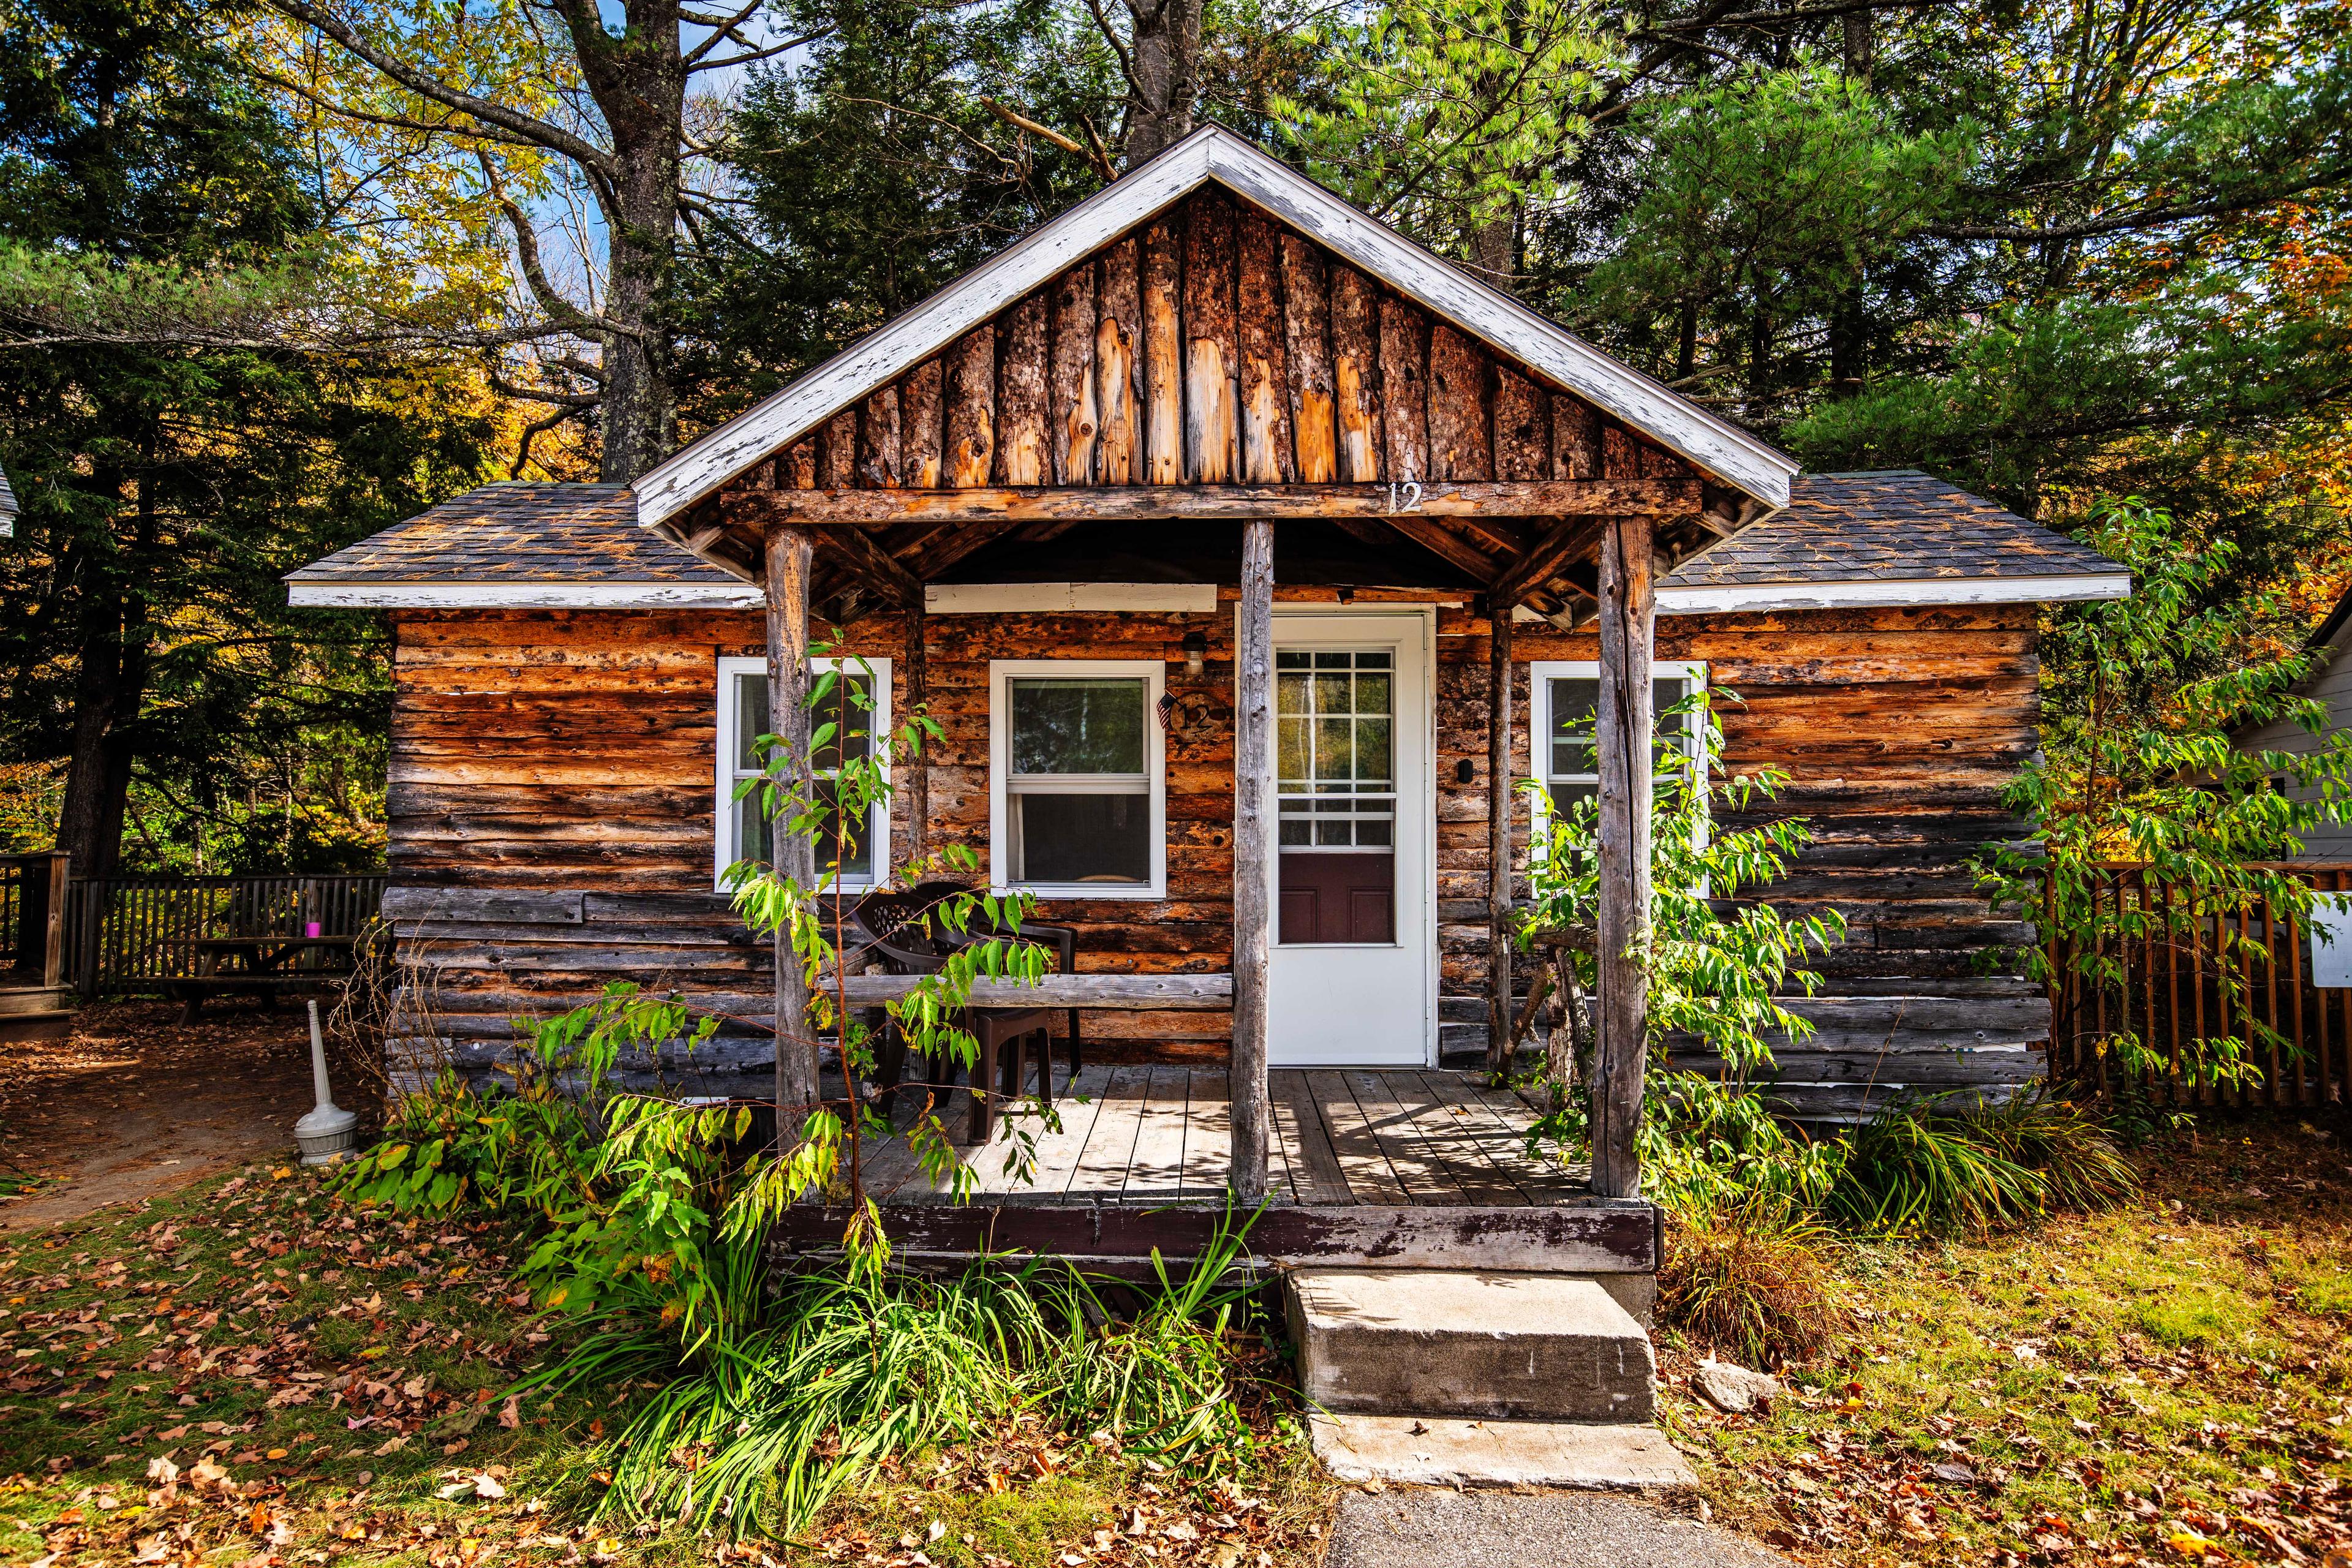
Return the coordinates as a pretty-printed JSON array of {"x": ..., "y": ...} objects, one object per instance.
[
  {"x": 129, "y": 933},
  {"x": 2178, "y": 969}
]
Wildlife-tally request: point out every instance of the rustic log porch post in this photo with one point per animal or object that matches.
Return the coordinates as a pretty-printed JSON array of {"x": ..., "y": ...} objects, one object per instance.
[
  {"x": 1628, "y": 620},
  {"x": 789, "y": 552},
  {"x": 1253, "y": 844},
  {"x": 1499, "y": 835}
]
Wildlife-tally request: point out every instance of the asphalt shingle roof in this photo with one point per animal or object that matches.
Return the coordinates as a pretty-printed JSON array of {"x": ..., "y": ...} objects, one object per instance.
[
  {"x": 514, "y": 532},
  {"x": 1899, "y": 525},
  {"x": 1895, "y": 525}
]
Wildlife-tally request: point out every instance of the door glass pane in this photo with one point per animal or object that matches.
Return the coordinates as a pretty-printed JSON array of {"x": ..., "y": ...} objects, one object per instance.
[
  {"x": 1063, "y": 838},
  {"x": 1078, "y": 725},
  {"x": 1337, "y": 825}
]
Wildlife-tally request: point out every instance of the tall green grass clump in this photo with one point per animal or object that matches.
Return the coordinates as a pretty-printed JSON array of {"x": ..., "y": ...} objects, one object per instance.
[{"x": 1923, "y": 1167}]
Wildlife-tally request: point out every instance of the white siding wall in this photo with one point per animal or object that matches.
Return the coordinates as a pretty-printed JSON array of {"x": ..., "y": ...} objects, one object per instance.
[{"x": 2334, "y": 688}]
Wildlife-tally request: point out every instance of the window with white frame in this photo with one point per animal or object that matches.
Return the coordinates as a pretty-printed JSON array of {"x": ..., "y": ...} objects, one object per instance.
[
  {"x": 1077, "y": 789},
  {"x": 1564, "y": 697},
  {"x": 744, "y": 831}
]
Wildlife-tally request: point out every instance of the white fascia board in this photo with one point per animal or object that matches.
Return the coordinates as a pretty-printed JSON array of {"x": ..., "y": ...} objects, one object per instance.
[
  {"x": 1212, "y": 153},
  {"x": 1013, "y": 598},
  {"x": 605, "y": 595},
  {"x": 1891, "y": 594}
]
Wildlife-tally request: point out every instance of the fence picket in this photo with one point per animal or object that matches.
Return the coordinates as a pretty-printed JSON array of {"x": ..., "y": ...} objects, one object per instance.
[{"x": 2171, "y": 993}]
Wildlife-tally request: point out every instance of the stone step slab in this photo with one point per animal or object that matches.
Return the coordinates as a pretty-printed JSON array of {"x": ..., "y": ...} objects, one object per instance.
[
  {"x": 1446, "y": 1451},
  {"x": 1430, "y": 1343}
]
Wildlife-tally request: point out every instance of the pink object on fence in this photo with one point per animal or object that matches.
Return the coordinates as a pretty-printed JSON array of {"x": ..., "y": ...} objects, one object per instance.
[{"x": 311, "y": 927}]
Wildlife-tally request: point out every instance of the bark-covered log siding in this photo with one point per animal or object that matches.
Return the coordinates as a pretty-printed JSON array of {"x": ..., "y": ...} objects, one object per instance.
[{"x": 553, "y": 750}]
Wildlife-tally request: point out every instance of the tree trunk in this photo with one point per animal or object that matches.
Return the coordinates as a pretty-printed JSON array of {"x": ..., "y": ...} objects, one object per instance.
[
  {"x": 110, "y": 688},
  {"x": 638, "y": 82},
  {"x": 1165, "y": 50}
]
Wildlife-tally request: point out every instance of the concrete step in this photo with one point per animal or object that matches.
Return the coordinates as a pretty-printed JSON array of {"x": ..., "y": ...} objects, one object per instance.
[
  {"x": 1430, "y": 1343},
  {"x": 1446, "y": 1451}
]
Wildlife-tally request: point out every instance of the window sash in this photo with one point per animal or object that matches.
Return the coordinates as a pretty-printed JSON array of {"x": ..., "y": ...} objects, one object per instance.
[
  {"x": 1009, "y": 819},
  {"x": 736, "y": 820},
  {"x": 1686, "y": 677}
]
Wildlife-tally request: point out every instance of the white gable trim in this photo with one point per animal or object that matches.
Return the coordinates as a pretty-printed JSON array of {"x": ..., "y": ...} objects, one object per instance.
[{"x": 1212, "y": 153}]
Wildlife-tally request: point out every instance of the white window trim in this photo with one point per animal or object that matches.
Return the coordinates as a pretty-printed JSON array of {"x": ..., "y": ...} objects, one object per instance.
[
  {"x": 724, "y": 850},
  {"x": 1154, "y": 674},
  {"x": 1542, "y": 672}
]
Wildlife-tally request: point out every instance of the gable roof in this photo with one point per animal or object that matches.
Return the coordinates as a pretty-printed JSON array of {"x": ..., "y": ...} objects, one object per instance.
[
  {"x": 1889, "y": 538},
  {"x": 1215, "y": 155}
]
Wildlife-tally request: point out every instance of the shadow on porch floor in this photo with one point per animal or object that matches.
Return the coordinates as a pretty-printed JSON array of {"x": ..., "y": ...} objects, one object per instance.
[{"x": 1156, "y": 1135}]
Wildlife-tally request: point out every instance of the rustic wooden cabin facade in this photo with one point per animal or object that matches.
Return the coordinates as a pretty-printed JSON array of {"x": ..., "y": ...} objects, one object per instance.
[{"x": 1225, "y": 476}]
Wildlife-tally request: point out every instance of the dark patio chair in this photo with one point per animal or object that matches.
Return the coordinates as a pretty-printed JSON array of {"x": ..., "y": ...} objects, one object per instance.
[{"x": 908, "y": 940}]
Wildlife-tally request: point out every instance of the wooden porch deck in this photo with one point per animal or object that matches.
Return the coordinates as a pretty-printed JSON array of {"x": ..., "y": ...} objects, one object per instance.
[
  {"x": 1157, "y": 1135},
  {"x": 1400, "y": 1167}
]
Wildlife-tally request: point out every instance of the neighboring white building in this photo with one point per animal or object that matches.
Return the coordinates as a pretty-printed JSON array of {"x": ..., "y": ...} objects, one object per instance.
[{"x": 2331, "y": 683}]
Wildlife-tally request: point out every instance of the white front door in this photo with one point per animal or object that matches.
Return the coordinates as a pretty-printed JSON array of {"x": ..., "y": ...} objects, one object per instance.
[{"x": 1353, "y": 979}]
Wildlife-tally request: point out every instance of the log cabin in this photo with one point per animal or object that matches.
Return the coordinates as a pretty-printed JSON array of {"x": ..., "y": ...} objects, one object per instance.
[{"x": 1247, "y": 554}]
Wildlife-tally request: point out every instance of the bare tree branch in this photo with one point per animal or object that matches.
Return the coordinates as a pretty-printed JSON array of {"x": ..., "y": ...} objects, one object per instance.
[
  {"x": 1094, "y": 154},
  {"x": 551, "y": 300},
  {"x": 2139, "y": 218}
]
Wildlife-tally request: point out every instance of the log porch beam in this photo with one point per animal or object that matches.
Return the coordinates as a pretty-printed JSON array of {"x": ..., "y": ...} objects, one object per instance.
[
  {"x": 1628, "y": 622},
  {"x": 1219, "y": 502}
]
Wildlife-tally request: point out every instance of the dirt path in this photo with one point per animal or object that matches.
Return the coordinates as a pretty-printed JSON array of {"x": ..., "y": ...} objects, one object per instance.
[{"x": 134, "y": 1103}]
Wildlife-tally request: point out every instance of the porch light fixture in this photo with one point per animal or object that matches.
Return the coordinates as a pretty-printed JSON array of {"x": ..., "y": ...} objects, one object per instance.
[{"x": 1196, "y": 652}]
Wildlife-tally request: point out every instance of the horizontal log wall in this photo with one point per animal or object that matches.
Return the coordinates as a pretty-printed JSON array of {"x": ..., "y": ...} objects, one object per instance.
[
  {"x": 1898, "y": 731},
  {"x": 567, "y": 758}
]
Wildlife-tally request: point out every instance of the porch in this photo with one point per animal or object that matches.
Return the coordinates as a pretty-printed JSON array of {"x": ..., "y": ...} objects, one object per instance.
[{"x": 1403, "y": 1167}]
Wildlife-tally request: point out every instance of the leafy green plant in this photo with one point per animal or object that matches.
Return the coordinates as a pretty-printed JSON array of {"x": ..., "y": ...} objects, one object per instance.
[
  {"x": 1922, "y": 1166},
  {"x": 1157, "y": 1380},
  {"x": 825, "y": 1374},
  {"x": 1718, "y": 970},
  {"x": 2144, "y": 765}
]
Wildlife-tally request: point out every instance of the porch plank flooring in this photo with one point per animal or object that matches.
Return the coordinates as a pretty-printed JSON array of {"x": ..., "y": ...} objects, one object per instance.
[{"x": 1156, "y": 1135}]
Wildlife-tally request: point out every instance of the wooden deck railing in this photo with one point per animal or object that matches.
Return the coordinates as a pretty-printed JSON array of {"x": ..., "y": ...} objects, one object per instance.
[
  {"x": 31, "y": 944},
  {"x": 2178, "y": 969},
  {"x": 129, "y": 933}
]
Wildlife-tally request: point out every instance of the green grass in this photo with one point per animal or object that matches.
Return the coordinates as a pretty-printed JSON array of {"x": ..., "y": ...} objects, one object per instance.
[{"x": 2107, "y": 1388}]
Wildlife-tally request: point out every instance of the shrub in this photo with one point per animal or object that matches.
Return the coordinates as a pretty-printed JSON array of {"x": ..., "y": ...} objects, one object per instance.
[
  {"x": 1748, "y": 1279},
  {"x": 1918, "y": 1166}
]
